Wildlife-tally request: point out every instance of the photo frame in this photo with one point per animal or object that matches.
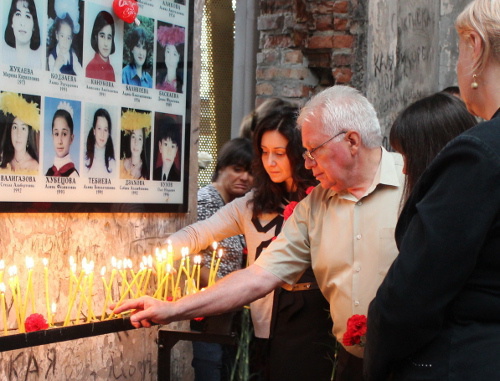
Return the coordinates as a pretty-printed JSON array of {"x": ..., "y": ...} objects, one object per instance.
[{"x": 97, "y": 118}]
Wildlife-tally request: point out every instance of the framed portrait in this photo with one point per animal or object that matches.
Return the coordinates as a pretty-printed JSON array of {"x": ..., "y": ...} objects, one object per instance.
[{"x": 95, "y": 112}]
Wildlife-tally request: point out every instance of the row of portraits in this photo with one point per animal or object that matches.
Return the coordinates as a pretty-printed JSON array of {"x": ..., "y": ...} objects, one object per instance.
[
  {"x": 84, "y": 39},
  {"x": 90, "y": 141}
]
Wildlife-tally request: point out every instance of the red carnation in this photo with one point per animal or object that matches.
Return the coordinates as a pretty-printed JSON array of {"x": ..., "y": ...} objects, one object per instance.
[
  {"x": 356, "y": 331},
  {"x": 289, "y": 209},
  {"x": 309, "y": 190},
  {"x": 35, "y": 322}
]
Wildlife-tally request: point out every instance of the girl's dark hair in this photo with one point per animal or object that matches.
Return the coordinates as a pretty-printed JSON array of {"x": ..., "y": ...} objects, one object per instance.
[
  {"x": 102, "y": 19},
  {"x": 269, "y": 196},
  {"x": 128, "y": 152},
  {"x": 65, "y": 20},
  {"x": 66, "y": 116},
  {"x": 422, "y": 129},
  {"x": 109, "y": 152},
  {"x": 237, "y": 151},
  {"x": 161, "y": 68},
  {"x": 8, "y": 149},
  {"x": 10, "y": 39}
]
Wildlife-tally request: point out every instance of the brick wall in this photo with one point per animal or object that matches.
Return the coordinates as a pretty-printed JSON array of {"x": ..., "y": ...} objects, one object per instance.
[{"x": 307, "y": 45}]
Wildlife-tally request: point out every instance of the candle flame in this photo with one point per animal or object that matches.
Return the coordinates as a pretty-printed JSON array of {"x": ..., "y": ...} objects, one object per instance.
[
  {"x": 54, "y": 308},
  {"x": 2, "y": 287},
  {"x": 30, "y": 263},
  {"x": 197, "y": 260},
  {"x": 221, "y": 252},
  {"x": 13, "y": 270},
  {"x": 103, "y": 270},
  {"x": 2, "y": 264},
  {"x": 45, "y": 262},
  {"x": 214, "y": 245}
]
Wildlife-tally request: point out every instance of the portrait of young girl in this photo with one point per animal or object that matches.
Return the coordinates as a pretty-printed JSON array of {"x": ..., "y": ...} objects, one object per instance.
[
  {"x": 103, "y": 42},
  {"x": 62, "y": 139},
  {"x": 138, "y": 53},
  {"x": 64, "y": 49},
  {"x": 22, "y": 34},
  {"x": 170, "y": 57},
  {"x": 100, "y": 159},
  {"x": 20, "y": 120},
  {"x": 135, "y": 144}
]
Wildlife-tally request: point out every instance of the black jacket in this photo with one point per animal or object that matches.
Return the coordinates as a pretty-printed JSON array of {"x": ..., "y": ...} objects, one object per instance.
[{"x": 436, "y": 316}]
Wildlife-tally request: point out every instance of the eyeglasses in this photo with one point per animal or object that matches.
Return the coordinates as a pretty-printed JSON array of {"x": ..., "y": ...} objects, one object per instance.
[{"x": 308, "y": 154}]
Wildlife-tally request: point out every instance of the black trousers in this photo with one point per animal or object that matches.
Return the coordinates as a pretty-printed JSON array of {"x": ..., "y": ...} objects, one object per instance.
[{"x": 349, "y": 367}]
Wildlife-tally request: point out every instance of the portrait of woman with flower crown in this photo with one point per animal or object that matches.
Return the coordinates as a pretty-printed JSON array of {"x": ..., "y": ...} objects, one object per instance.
[
  {"x": 21, "y": 133},
  {"x": 170, "y": 61},
  {"x": 60, "y": 157},
  {"x": 135, "y": 144}
]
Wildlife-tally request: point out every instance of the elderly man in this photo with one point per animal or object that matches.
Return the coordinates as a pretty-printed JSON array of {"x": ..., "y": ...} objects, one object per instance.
[{"x": 343, "y": 229}]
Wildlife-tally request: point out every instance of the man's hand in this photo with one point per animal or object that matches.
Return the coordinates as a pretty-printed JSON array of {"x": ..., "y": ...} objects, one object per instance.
[{"x": 146, "y": 311}]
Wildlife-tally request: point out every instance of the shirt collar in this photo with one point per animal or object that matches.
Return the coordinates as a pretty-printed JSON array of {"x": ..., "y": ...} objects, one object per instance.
[{"x": 389, "y": 173}]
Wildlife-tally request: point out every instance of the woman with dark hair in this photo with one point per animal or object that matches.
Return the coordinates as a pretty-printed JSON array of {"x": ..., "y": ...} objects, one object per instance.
[
  {"x": 169, "y": 72},
  {"x": 102, "y": 40},
  {"x": 422, "y": 129},
  {"x": 62, "y": 137},
  {"x": 231, "y": 179},
  {"x": 436, "y": 315},
  {"x": 297, "y": 344},
  {"x": 100, "y": 155},
  {"x": 20, "y": 149},
  {"x": 22, "y": 35},
  {"x": 169, "y": 143},
  {"x": 138, "y": 45},
  {"x": 62, "y": 57}
]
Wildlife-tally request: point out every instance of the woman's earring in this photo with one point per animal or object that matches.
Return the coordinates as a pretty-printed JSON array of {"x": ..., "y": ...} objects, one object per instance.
[{"x": 474, "y": 85}]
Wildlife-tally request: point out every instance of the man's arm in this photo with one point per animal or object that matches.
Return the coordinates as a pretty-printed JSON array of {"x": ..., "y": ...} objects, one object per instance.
[{"x": 233, "y": 291}]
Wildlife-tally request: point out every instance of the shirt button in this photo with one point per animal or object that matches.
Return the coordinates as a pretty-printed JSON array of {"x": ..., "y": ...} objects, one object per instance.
[
  {"x": 358, "y": 269},
  {"x": 359, "y": 203},
  {"x": 356, "y": 303},
  {"x": 358, "y": 236}
]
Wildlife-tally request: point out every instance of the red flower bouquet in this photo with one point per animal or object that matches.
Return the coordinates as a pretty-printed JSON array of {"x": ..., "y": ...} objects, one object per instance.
[
  {"x": 356, "y": 331},
  {"x": 35, "y": 322}
]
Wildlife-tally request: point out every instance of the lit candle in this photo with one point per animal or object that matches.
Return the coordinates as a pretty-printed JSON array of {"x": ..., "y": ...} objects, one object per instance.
[
  {"x": 149, "y": 266},
  {"x": 106, "y": 293},
  {"x": 54, "y": 308},
  {"x": 197, "y": 261},
  {"x": 14, "y": 287},
  {"x": 2, "y": 268},
  {"x": 4, "y": 308},
  {"x": 210, "y": 274},
  {"x": 29, "y": 288},
  {"x": 47, "y": 298},
  {"x": 142, "y": 271},
  {"x": 179, "y": 272},
  {"x": 72, "y": 297},
  {"x": 168, "y": 269},
  {"x": 90, "y": 280},
  {"x": 113, "y": 274},
  {"x": 219, "y": 257}
]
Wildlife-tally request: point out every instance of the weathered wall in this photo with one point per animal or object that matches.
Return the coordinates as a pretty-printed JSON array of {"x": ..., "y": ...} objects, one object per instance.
[
  {"x": 412, "y": 50},
  {"x": 394, "y": 51},
  {"x": 130, "y": 355}
]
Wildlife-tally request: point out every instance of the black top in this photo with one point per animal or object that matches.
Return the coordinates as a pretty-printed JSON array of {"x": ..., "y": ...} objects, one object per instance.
[{"x": 436, "y": 315}]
